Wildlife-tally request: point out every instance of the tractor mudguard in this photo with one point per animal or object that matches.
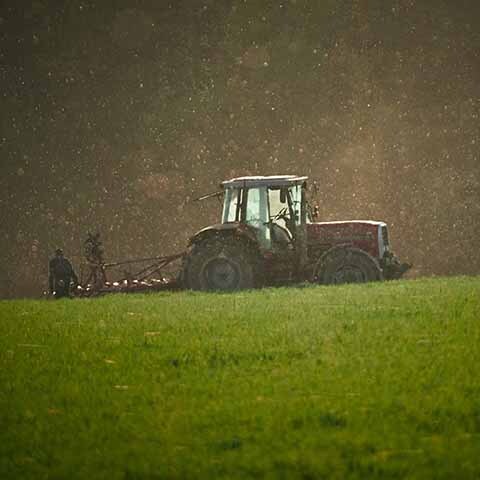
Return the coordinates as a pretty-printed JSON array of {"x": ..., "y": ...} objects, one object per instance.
[{"x": 231, "y": 228}]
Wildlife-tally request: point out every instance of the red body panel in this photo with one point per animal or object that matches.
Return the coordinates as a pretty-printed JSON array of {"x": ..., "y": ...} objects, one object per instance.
[{"x": 359, "y": 234}]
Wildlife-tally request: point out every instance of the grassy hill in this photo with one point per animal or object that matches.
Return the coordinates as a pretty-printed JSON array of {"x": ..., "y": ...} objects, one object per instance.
[{"x": 371, "y": 381}]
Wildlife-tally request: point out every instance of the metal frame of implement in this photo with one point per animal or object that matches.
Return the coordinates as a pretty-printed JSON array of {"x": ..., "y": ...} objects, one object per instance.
[{"x": 97, "y": 282}]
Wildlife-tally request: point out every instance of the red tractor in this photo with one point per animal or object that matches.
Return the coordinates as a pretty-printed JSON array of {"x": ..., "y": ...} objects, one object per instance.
[{"x": 267, "y": 237}]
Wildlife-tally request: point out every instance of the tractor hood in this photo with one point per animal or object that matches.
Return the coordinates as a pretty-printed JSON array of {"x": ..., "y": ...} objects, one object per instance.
[
  {"x": 365, "y": 234},
  {"x": 349, "y": 224}
]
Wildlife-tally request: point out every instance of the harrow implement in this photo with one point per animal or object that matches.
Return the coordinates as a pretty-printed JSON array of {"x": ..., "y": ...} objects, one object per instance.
[{"x": 150, "y": 274}]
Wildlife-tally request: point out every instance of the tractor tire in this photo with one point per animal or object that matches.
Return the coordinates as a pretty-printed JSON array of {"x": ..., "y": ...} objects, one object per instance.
[
  {"x": 221, "y": 264},
  {"x": 348, "y": 265}
]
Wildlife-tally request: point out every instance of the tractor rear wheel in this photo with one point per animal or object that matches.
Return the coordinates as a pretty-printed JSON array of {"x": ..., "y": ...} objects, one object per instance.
[
  {"x": 348, "y": 265},
  {"x": 221, "y": 264}
]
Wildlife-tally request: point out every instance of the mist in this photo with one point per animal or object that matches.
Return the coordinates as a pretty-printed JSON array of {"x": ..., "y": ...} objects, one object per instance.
[{"x": 113, "y": 118}]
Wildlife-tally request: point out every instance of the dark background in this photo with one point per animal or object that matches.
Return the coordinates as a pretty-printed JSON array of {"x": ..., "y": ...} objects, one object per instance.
[{"x": 114, "y": 115}]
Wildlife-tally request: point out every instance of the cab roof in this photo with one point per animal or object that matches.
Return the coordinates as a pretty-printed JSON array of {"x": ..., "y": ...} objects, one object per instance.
[{"x": 264, "y": 181}]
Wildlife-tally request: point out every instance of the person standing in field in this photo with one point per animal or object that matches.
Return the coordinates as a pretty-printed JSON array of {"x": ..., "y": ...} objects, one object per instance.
[{"x": 60, "y": 275}]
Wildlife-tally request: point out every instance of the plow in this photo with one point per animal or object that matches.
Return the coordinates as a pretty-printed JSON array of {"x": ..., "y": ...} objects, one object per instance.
[
  {"x": 267, "y": 236},
  {"x": 133, "y": 275}
]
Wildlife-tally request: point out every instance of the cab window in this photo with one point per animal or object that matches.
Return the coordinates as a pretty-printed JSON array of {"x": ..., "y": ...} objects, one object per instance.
[
  {"x": 256, "y": 213},
  {"x": 231, "y": 209}
]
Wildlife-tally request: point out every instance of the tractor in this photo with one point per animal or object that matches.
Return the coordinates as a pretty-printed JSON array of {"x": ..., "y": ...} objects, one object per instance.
[{"x": 267, "y": 236}]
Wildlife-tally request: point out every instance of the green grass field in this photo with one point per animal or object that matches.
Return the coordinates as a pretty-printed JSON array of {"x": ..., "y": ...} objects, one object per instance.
[{"x": 362, "y": 381}]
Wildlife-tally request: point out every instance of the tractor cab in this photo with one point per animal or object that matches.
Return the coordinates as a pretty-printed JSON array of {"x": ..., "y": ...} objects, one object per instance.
[{"x": 274, "y": 206}]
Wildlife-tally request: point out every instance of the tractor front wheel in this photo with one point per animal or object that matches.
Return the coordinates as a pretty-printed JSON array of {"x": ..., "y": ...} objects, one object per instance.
[
  {"x": 220, "y": 264},
  {"x": 348, "y": 265}
]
